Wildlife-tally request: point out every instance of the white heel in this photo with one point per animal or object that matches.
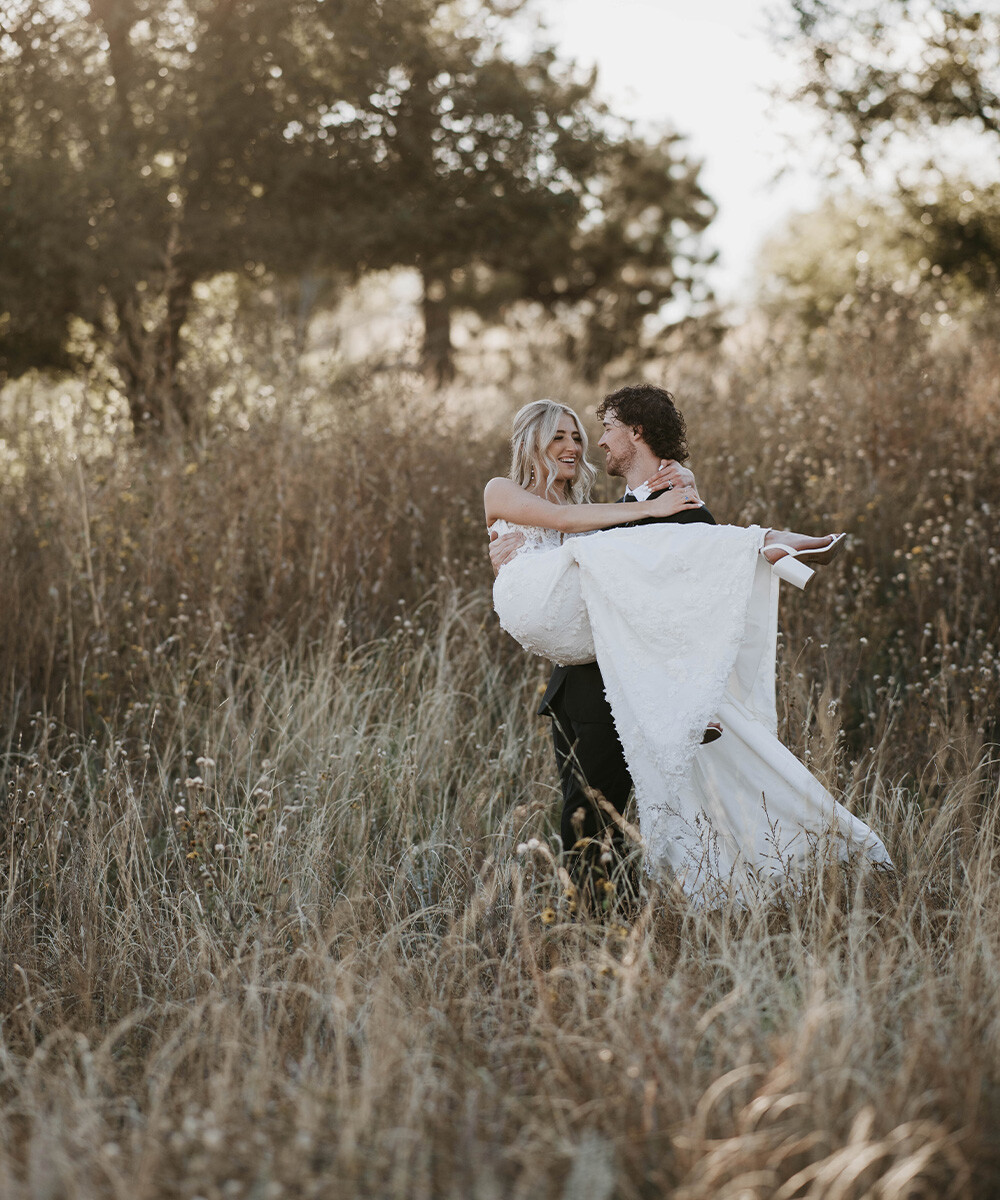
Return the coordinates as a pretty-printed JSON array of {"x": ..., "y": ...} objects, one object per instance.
[
  {"x": 789, "y": 569},
  {"x": 793, "y": 570}
]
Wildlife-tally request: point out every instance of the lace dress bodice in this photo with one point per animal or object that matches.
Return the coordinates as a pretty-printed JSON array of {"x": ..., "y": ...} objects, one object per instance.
[
  {"x": 535, "y": 538},
  {"x": 539, "y": 596}
]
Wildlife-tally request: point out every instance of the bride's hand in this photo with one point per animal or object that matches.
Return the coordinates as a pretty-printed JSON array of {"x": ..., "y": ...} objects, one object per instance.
[
  {"x": 674, "y": 501},
  {"x": 672, "y": 475}
]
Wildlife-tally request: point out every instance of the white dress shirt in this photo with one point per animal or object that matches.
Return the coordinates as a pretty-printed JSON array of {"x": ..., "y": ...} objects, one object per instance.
[{"x": 642, "y": 492}]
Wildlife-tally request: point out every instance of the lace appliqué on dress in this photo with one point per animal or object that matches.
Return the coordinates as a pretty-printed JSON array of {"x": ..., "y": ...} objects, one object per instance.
[
  {"x": 537, "y": 597},
  {"x": 665, "y": 610}
]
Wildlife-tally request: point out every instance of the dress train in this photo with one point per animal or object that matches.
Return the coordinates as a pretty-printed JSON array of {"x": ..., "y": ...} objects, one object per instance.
[{"x": 682, "y": 620}]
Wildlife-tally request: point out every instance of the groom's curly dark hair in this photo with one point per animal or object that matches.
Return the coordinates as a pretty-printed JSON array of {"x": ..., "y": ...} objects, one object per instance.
[{"x": 651, "y": 409}]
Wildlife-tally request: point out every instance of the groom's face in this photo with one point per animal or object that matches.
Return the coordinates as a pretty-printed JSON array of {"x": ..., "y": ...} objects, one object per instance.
[{"x": 620, "y": 445}]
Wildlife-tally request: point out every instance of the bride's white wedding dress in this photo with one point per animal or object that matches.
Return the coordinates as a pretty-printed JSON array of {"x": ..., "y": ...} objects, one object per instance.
[{"x": 682, "y": 621}]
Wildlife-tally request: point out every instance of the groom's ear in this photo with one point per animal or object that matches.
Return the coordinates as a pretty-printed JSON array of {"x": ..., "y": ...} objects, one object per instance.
[{"x": 636, "y": 431}]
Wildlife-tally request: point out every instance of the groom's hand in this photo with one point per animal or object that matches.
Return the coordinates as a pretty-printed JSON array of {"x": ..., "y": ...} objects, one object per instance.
[
  {"x": 672, "y": 475},
  {"x": 503, "y": 548}
]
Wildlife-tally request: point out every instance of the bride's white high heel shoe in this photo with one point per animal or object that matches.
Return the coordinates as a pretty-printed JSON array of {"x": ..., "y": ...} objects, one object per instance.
[{"x": 791, "y": 569}]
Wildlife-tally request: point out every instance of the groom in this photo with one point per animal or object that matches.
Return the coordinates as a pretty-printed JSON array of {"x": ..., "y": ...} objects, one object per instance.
[{"x": 641, "y": 429}]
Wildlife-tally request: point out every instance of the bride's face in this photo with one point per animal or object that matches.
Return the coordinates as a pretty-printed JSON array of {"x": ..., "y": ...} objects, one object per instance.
[{"x": 566, "y": 449}]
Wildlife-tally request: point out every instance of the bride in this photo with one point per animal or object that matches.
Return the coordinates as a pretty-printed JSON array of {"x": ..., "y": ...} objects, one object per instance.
[{"x": 682, "y": 621}]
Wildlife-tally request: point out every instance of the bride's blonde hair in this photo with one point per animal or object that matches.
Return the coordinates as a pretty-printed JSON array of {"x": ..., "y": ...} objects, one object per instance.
[{"x": 535, "y": 426}]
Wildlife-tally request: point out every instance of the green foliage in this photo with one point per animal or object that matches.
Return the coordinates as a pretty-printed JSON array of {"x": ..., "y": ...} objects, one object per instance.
[
  {"x": 825, "y": 261},
  {"x": 145, "y": 148},
  {"x": 149, "y": 147},
  {"x": 958, "y": 226},
  {"x": 909, "y": 72},
  {"x": 483, "y": 164},
  {"x": 636, "y": 250},
  {"x": 503, "y": 180},
  {"x": 927, "y": 256},
  {"x": 897, "y": 66}
]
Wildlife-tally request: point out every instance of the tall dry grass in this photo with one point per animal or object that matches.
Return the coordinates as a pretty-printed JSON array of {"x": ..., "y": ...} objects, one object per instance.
[{"x": 266, "y": 929}]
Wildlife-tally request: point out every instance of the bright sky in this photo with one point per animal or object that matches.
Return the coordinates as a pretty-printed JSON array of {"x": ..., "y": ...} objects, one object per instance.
[{"x": 704, "y": 67}]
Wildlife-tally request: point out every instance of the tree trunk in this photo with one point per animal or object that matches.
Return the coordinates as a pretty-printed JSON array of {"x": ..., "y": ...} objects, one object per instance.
[
  {"x": 117, "y": 19},
  {"x": 176, "y": 403},
  {"x": 147, "y": 361},
  {"x": 438, "y": 359}
]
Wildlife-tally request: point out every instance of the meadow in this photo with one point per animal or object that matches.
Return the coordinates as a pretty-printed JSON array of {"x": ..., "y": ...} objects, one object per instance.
[{"x": 281, "y": 908}]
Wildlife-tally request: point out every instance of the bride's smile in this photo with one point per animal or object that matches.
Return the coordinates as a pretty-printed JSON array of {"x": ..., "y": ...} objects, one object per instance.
[{"x": 565, "y": 450}]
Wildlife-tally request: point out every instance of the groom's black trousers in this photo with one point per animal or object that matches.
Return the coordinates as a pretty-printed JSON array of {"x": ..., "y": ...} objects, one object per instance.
[{"x": 589, "y": 754}]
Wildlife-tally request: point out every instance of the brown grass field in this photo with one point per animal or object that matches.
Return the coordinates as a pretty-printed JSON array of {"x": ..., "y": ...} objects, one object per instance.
[{"x": 268, "y": 759}]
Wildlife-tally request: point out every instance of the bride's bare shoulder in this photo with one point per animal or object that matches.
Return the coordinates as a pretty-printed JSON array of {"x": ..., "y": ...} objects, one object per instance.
[
  {"x": 501, "y": 486},
  {"x": 499, "y": 496}
]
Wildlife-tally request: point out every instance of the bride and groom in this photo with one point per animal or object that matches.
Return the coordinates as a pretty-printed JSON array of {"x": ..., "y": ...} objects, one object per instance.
[{"x": 663, "y": 626}]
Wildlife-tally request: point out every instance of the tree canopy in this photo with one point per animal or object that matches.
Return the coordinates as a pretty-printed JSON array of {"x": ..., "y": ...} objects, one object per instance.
[
  {"x": 911, "y": 73},
  {"x": 890, "y": 67},
  {"x": 149, "y": 145},
  {"x": 145, "y": 147}
]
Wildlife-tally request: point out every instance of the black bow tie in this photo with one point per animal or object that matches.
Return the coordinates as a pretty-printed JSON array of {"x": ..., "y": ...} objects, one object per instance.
[{"x": 630, "y": 498}]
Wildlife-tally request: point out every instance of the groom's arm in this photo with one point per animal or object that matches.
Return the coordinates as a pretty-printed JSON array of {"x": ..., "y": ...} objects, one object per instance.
[{"x": 503, "y": 548}]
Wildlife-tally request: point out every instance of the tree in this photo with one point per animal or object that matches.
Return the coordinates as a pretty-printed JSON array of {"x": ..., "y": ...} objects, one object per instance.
[
  {"x": 878, "y": 259},
  {"x": 897, "y": 67},
  {"x": 485, "y": 165},
  {"x": 150, "y": 145},
  {"x": 638, "y": 248},
  {"x": 822, "y": 261},
  {"x": 147, "y": 146},
  {"x": 511, "y": 181},
  {"x": 957, "y": 224},
  {"x": 911, "y": 71}
]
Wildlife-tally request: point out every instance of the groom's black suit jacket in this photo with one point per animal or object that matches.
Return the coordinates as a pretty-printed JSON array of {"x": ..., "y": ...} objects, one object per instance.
[{"x": 580, "y": 689}]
